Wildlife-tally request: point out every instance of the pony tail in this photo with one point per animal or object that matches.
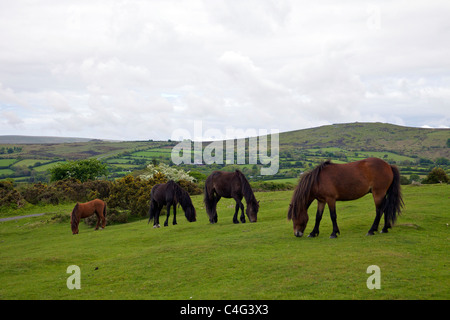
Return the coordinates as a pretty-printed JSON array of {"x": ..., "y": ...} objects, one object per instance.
[
  {"x": 393, "y": 203},
  {"x": 152, "y": 210},
  {"x": 208, "y": 199}
]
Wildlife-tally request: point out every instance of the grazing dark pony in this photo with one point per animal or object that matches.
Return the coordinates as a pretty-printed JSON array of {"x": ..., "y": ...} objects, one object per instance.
[
  {"x": 84, "y": 210},
  {"x": 230, "y": 185},
  {"x": 331, "y": 182},
  {"x": 170, "y": 194}
]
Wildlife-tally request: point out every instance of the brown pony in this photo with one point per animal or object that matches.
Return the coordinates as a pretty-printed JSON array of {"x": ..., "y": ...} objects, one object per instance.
[
  {"x": 331, "y": 182},
  {"x": 84, "y": 210},
  {"x": 230, "y": 185}
]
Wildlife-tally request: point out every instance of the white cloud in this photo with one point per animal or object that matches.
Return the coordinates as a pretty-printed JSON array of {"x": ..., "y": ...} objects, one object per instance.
[{"x": 142, "y": 69}]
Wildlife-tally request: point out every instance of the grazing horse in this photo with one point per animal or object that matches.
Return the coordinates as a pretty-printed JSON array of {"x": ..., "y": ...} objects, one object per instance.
[
  {"x": 230, "y": 185},
  {"x": 170, "y": 194},
  {"x": 331, "y": 182},
  {"x": 84, "y": 210}
]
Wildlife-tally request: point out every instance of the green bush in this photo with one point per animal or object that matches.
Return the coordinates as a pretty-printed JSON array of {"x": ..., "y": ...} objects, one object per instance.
[
  {"x": 10, "y": 197},
  {"x": 437, "y": 175},
  {"x": 82, "y": 170},
  {"x": 133, "y": 194}
]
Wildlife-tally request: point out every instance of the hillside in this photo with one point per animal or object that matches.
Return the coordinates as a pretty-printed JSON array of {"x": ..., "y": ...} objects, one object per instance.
[
  {"x": 414, "y": 150},
  {"x": 408, "y": 141},
  {"x": 16, "y": 139}
]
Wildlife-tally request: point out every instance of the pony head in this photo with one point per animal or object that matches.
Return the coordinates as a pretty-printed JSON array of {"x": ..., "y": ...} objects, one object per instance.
[
  {"x": 299, "y": 220},
  {"x": 190, "y": 214},
  {"x": 252, "y": 210},
  {"x": 188, "y": 207}
]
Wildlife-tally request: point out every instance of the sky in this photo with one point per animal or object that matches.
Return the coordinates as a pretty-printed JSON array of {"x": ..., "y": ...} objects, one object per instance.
[{"x": 139, "y": 70}]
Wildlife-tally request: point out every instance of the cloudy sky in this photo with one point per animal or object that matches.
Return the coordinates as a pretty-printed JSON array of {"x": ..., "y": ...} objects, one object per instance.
[{"x": 137, "y": 70}]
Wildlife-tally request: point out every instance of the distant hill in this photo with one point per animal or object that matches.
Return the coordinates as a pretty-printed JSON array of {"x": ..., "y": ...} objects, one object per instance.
[
  {"x": 418, "y": 142},
  {"x": 414, "y": 150},
  {"x": 15, "y": 139}
]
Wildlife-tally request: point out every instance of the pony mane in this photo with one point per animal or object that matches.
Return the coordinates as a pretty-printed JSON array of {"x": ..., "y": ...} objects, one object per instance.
[
  {"x": 301, "y": 197},
  {"x": 246, "y": 188},
  {"x": 181, "y": 195}
]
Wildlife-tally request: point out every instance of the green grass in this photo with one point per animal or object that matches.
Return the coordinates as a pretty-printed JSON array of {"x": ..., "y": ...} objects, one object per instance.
[
  {"x": 6, "y": 162},
  {"x": 30, "y": 162},
  {"x": 261, "y": 260}
]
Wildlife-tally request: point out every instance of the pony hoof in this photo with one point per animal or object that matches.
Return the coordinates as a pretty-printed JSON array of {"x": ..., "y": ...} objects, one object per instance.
[
  {"x": 370, "y": 233},
  {"x": 156, "y": 226},
  {"x": 333, "y": 236}
]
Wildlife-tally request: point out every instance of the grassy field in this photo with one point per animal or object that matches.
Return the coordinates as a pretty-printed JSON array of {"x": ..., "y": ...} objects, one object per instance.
[{"x": 261, "y": 260}]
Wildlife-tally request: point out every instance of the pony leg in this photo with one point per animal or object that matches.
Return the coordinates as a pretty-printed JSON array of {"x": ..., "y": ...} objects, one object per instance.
[
  {"x": 174, "y": 214},
  {"x": 166, "y": 223},
  {"x": 241, "y": 205},
  {"x": 333, "y": 216},
  {"x": 376, "y": 222},
  {"x": 379, "y": 200},
  {"x": 98, "y": 221},
  {"x": 387, "y": 225},
  {"x": 156, "y": 219},
  {"x": 213, "y": 217},
  {"x": 320, "y": 208},
  {"x": 104, "y": 222}
]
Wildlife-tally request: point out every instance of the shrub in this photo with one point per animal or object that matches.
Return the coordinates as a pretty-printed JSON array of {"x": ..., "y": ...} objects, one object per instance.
[
  {"x": 10, "y": 197},
  {"x": 82, "y": 170},
  {"x": 437, "y": 175},
  {"x": 133, "y": 194},
  {"x": 65, "y": 191},
  {"x": 170, "y": 173}
]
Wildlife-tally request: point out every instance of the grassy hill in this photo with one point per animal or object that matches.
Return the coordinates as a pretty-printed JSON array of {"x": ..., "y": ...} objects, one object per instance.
[
  {"x": 416, "y": 142},
  {"x": 415, "y": 150}
]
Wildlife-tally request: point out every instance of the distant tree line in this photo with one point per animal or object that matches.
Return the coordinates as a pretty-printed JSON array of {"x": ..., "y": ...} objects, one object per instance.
[{"x": 5, "y": 150}]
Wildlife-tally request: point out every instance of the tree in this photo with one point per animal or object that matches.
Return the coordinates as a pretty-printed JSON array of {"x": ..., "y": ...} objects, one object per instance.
[
  {"x": 442, "y": 161},
  {"x": 414, "y": 177},
  {"x": 82, "y": 170},
  {"x": 437, "y": 175}
]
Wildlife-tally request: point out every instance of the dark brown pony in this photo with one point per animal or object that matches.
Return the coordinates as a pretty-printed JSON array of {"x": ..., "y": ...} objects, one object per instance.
[
  {"x": 170, "y": 194},
  {"x": 230, "y": 185},
  {"x": 84, "y": 210},
  {"x": 331, "y": 182}
]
